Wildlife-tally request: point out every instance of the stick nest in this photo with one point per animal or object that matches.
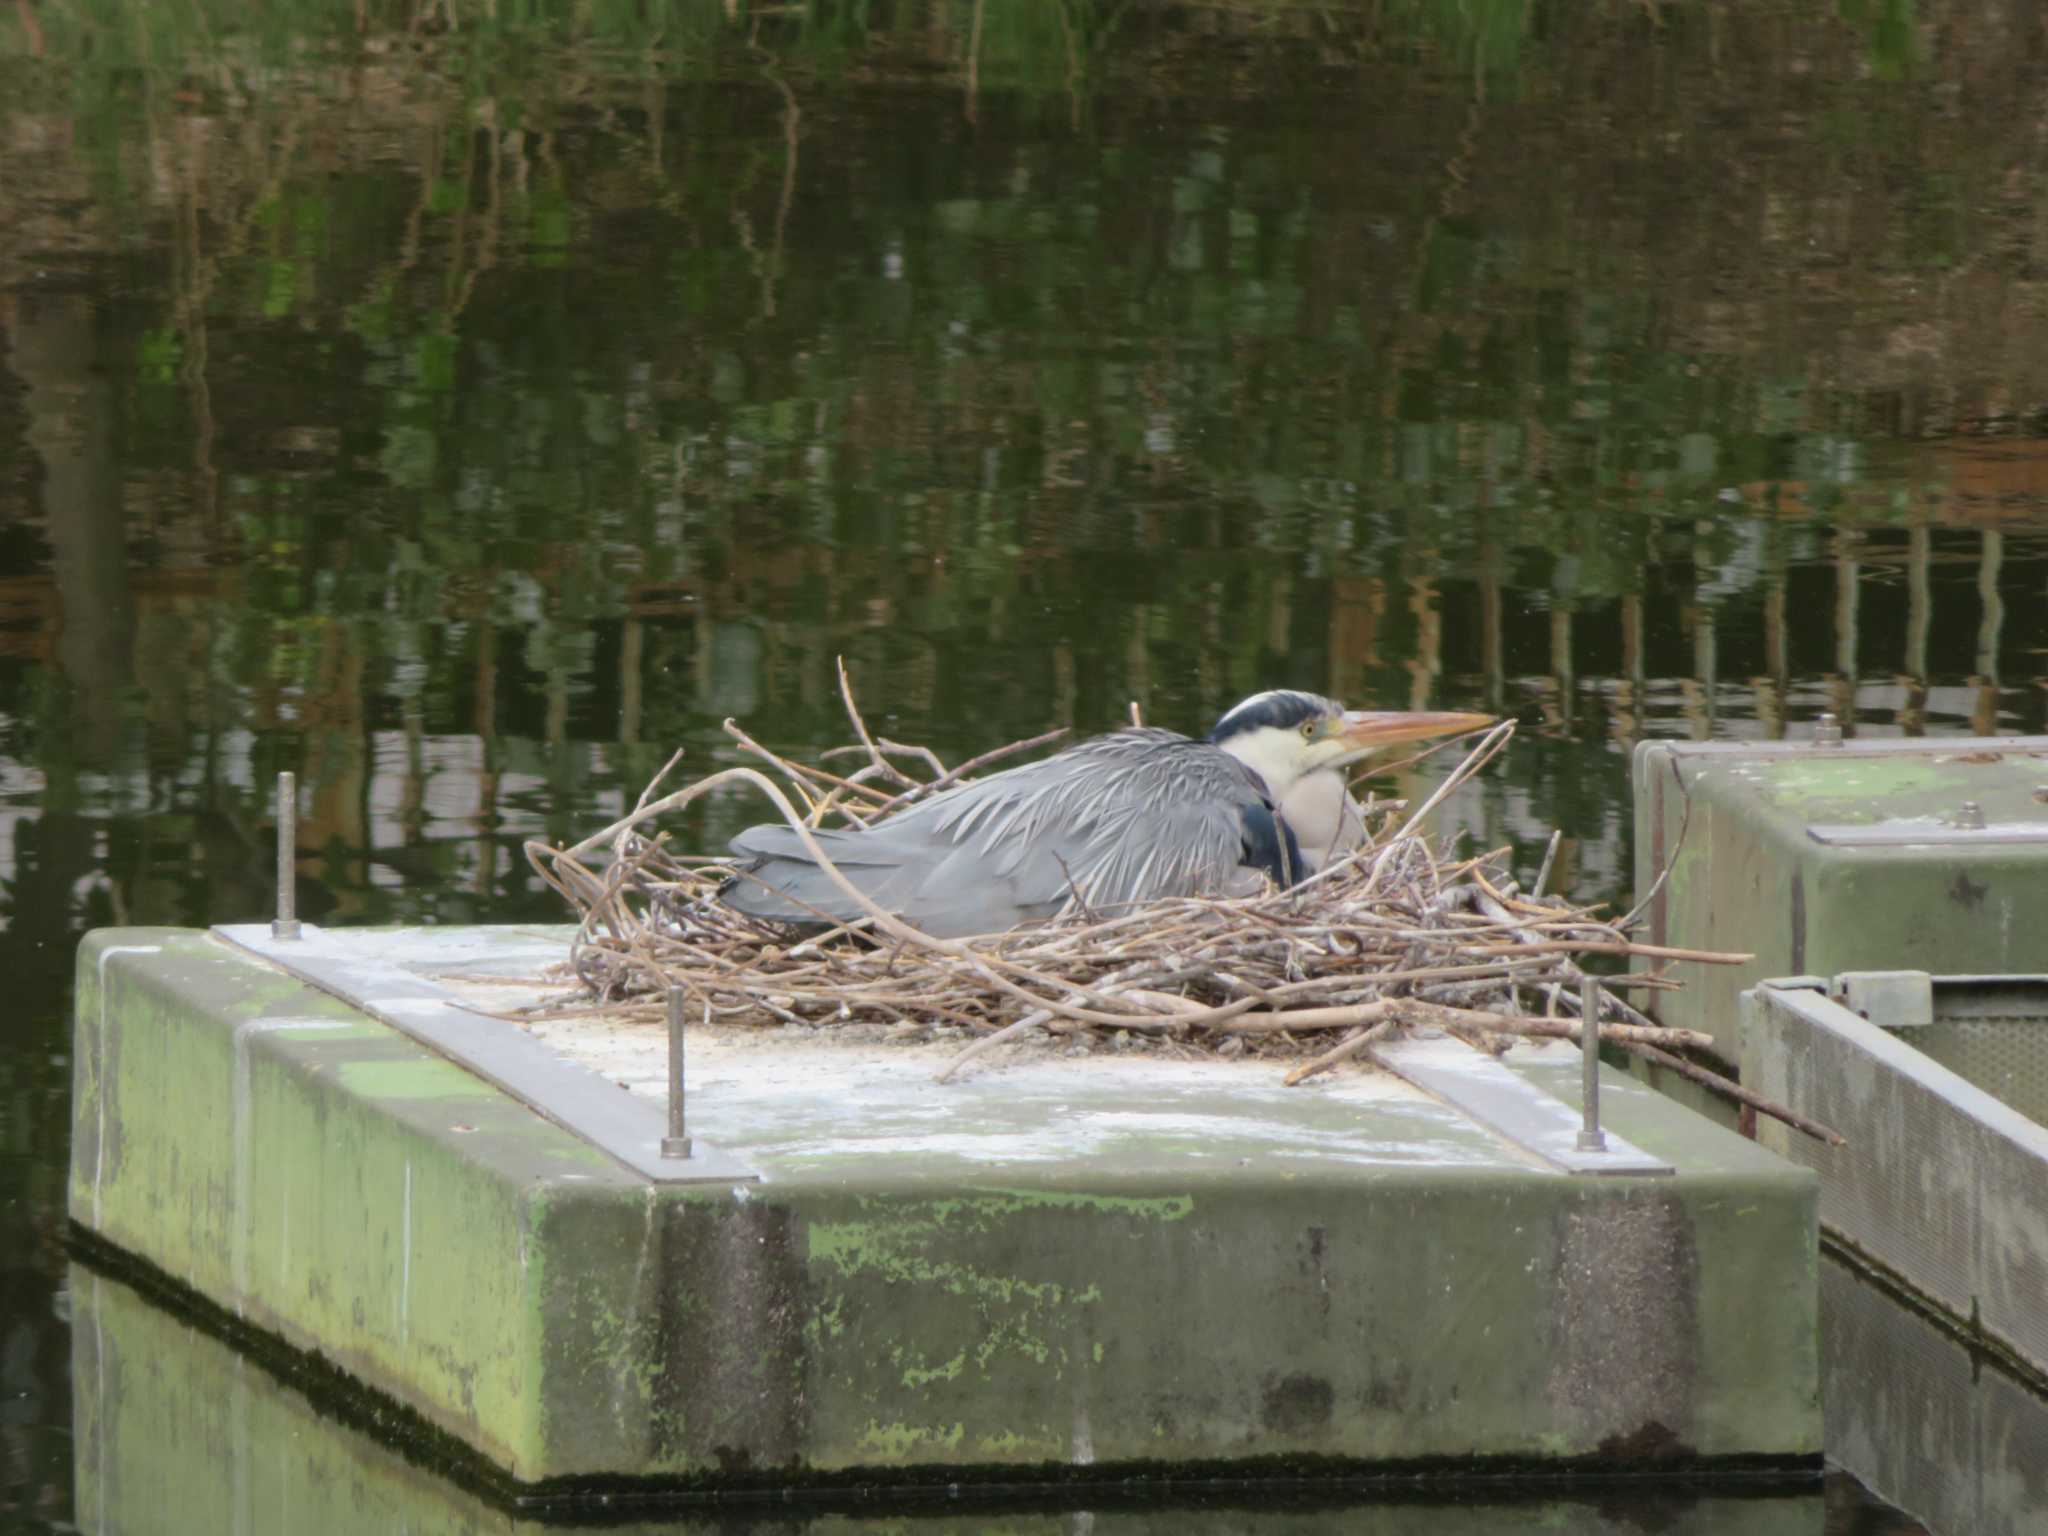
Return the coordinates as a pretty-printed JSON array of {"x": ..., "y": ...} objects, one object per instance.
[{"x": 1404, "y": 931}]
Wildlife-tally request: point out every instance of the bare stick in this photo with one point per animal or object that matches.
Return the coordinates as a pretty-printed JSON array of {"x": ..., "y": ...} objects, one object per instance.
[
  {"x": 1671, "y": 860},
  {"x": 1349, "y": 1047},
  {"x": 888, "y": 769},
  {"x": 797, "y": 771},
  {"x": 1023, "y": 1026},
  {"x": 1414, "y": 1011},
  {"x": 1305, "y": 1019},
  {"x": 1609, "y": 947},
  {"x": 1549, "y": 858},
  {"x": 930, "y": 757},
  {"x": 1730, "y": 1089}
]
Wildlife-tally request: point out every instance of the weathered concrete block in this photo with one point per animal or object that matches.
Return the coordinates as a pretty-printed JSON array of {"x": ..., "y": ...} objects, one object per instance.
[
  {"x": 1304, "y": 1278},
  {"x": 1927, "y": 854}
]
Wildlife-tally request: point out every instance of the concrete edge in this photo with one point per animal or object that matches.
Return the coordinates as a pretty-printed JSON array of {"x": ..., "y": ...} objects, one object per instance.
[{"x": 358, "y": 1197}]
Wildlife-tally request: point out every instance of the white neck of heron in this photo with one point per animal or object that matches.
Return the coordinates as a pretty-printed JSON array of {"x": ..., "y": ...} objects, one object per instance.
[
  {"x": 1315, "y": 803},
  {"x": 1273, "y": 754},
  {"x": 1326, "y": 820}
]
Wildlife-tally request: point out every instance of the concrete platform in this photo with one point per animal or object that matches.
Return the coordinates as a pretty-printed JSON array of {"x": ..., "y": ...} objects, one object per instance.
[
  {"x": 1060, "y": 1267},
  {"x": 1925, "y": 853}
]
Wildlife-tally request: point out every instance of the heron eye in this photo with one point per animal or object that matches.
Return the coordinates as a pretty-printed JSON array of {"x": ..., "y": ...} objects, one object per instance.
[{"x": 1308, "y": 730}]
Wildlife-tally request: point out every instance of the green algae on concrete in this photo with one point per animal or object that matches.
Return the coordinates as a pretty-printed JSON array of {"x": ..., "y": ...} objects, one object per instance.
[
  {"x": 1255, "y": 1290},
  {"x": 223, "y": 1132},
  {"x": 177, "y": 1434},
  {"x": 1735, "y": 823}
]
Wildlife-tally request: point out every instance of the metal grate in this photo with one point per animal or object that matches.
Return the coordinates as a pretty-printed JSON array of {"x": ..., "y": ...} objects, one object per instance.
[{"x": 2006, "y": 1057}]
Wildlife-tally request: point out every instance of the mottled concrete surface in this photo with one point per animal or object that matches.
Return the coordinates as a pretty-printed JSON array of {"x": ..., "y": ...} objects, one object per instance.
[
  {"x": 1120, "y": 1260},
  {"x": 1733, "y": 822}
]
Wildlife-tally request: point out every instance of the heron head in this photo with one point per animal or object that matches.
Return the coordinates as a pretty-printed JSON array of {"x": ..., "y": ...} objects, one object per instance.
[{"x": 1285, "y": 736}]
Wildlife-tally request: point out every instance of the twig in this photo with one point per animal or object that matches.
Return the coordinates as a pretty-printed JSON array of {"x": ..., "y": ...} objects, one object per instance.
[
  {"x": 1304, "y": 1019},
  {"x": 1414, "y": 1011},
  {"x": 1023, "y": 1026},
  {"x": 1728, "y": 1088},
  {"x": 1350, "y": 1046},
  {"x": 1610, "y": 947},
  {"x": 798, "y": 773},
  {"x": 1549, "y": 858},
  {"x": 860, "y": 726}
]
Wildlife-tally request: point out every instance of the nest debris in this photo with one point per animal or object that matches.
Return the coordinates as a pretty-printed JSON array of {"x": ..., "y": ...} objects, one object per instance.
[{"x": 1402, "y": 932}]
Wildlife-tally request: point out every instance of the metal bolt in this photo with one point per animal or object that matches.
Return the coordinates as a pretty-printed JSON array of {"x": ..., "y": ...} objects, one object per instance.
[
  {"x": 1970, "y": 816},
  {"x": 675, "y": 1143},
  {"x": 1591, "y": 1137},
  {"x": 1827, "y": 730},
  {"x": 286, "y": 924}
]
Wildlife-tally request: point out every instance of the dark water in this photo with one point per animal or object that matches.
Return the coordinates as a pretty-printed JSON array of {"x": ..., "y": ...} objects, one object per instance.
[{"x": 465, "y": 408}]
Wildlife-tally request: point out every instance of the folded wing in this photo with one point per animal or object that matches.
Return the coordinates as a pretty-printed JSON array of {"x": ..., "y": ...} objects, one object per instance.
[{"x": 1130, "y": 817}]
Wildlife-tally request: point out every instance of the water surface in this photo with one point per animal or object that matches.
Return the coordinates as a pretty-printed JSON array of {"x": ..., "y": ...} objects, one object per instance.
[{"x": 465, "y": 410}]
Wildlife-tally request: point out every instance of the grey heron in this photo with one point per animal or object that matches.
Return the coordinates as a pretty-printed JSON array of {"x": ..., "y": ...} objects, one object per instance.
[{"x": 1129, "y": 817}]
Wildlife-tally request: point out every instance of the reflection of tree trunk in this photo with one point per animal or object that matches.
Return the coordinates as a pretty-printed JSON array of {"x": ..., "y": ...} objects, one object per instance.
[
  {"x": 337, "y": 769},
  {"x": 631, "y": 644},
  {"x": 1993, "y": 606},
  {"x": 412, "y": 795},
  {"x": 556, "y": 728},
  {"x": 1279, "y": 613},
  {"x": 701, "y": 672},
  {"x": 1771, "y": 687},
  {"x": 1356, "y": 603},
  {"x": 1848, "y": 576},
  {"x": 1491, "y": 664},
  {"x": 1138, "y": 659},
  {"x": 768, "y": 264},
  {"x": 1919, "y": 599},
  {"x": 816, "y": 677},
  {"x": 71, "y": 429},
  {"x": 974, "y": 63},
  {"x": 1629, "y": 722},
  {"x": 1984, "y": 717},
  {"x": 1919, "y": 617},
  {"x": 1703, "y": 686},
  {"x": 486, "y": 726},
  {"x": 1428, "y": 664},
  {"x": 1561, "y": 669}
]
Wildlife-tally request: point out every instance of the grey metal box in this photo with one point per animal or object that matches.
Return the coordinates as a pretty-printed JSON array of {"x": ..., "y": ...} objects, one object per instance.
[{"x": 1926, "y": 855}]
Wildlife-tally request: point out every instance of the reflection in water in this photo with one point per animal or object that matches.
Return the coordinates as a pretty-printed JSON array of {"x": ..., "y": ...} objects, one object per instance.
[
  {"x": 1951, "y": 1436},
  {"x": 177, "y": 1432},
  {"x": 465, "y": 408}
]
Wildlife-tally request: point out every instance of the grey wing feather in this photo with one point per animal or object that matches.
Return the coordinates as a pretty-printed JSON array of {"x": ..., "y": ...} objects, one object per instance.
[{"x": 1126, "y": 818}]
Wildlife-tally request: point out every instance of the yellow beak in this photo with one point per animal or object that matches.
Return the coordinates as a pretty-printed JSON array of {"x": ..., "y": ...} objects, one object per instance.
[{"x": 1368, "y": 731}]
